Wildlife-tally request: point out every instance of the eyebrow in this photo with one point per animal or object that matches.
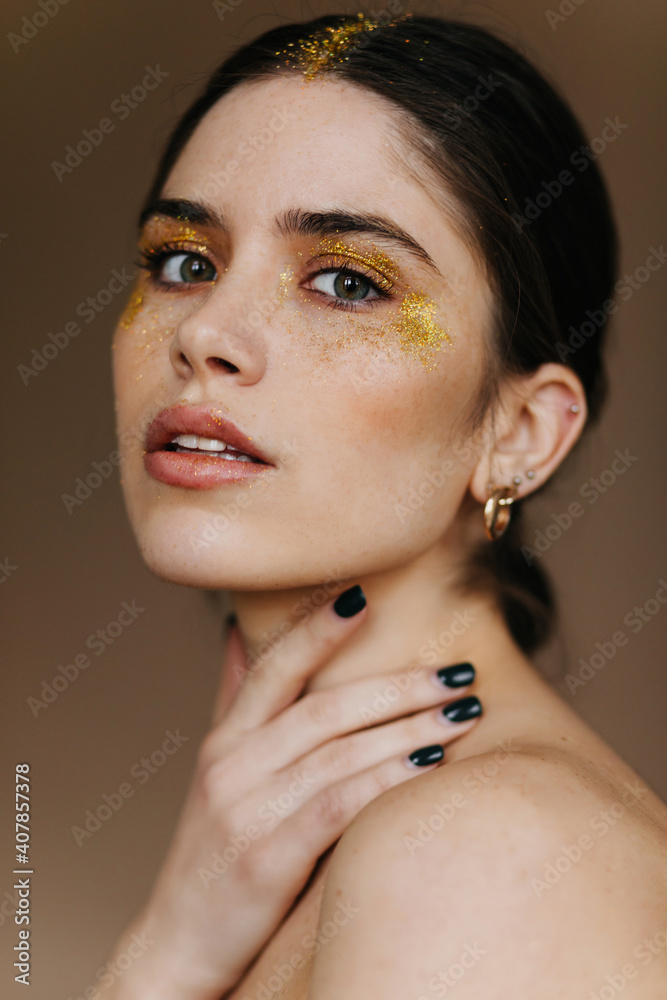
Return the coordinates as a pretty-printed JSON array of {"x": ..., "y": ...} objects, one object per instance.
[{"x": 297, "y": 222}]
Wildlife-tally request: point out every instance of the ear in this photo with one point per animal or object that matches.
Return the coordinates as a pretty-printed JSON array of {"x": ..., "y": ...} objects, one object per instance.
[{"x": 534, "y": 428}]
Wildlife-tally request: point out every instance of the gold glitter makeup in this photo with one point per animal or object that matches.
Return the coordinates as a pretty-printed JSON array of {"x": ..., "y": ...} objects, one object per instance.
[
  {"x": 134, "y": 304},
  {"x": 416, "y": 329},
  {"x": 376, "y": 260},
  {"x": 420, "y": 335},
  {"x": 322, "y": 50},
  {"x": 286, "y": 278},
  {"x": 182, "y": 234}
]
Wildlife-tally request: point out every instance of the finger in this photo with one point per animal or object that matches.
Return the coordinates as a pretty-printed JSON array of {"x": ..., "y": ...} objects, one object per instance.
[
  {"x": 309, "y": 831},
  {"x": 234, "y": 667},
  {"x": 345, "y": 708},
  {"x": 273, "y": 682},
  {"x": 347, "y": 756}
]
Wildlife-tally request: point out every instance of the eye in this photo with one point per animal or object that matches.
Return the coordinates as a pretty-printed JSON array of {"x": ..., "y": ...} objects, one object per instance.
[
  {"x": 346, "y": 285},
  {"x": 185, "y": 268}
]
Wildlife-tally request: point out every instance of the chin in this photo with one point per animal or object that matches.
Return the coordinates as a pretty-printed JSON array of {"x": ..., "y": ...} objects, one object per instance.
[{"x": 185, "y": 546}]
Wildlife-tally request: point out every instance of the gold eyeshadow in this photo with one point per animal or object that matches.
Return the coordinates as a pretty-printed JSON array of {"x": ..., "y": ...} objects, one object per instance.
[
  {"x": 173, "y": 232},
  {"x": 387, "y": 270}
]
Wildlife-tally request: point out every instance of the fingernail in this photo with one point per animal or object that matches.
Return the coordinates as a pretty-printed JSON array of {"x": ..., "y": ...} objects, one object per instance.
[
  {"x": 463, "y": 709},
  {"x": 457, "y": 676},
  {"x": 350, "y": 602},
  {"x": 427, "y": 755}
]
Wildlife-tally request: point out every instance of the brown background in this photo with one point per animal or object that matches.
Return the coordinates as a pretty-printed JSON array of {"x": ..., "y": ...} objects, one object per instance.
[{"x": 60, "y": 241}]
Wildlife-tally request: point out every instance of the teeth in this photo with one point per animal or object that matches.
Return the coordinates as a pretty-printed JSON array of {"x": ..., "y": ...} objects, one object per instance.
[
  {"x": 195, "y": 443},
  {"x": 201, "y": 443}
]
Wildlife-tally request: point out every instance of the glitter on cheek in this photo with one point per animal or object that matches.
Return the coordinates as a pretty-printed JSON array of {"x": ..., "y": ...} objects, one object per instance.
[
  {"x": 132, "y": 308},
  {"x": 420, "y": 335},
  {"x": 286, "y": 279},
  {"x": 416, "y": 331}
]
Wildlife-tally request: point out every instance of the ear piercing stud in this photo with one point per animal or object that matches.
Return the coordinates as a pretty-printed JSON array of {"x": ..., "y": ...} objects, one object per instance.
[{"x": 574, "y": 407}]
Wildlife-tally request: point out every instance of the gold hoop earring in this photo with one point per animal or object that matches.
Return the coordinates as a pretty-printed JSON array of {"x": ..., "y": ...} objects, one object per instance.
[{"x": 498, "y": 510}]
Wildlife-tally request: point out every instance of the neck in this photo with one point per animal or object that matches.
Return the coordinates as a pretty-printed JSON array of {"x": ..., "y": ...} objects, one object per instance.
[{"x": 415, "y": 616}]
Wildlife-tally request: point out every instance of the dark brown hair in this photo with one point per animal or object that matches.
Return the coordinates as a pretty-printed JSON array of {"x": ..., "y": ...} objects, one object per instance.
[{"x": 533, "y": 208}]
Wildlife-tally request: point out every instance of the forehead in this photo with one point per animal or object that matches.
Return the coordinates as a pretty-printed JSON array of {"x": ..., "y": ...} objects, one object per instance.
[{"x": 269, "y": 145}]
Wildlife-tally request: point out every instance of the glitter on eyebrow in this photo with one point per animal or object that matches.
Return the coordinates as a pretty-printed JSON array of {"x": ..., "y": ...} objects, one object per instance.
[{"x": 322, "y": 50}]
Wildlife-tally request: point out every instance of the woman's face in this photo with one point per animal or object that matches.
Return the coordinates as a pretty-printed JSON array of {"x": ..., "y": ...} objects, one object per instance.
[{"x": 350, "y": 359}]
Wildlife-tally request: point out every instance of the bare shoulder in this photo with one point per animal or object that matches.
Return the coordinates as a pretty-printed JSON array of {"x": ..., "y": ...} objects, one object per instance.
[{"x": 522, "y": 871}]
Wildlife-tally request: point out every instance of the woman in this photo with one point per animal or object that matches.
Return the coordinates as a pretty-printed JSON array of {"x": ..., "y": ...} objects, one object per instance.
[{"x": 347, "y": 288}]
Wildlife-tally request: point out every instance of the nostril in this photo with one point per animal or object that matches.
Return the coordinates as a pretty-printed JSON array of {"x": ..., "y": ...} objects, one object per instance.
[{"x": 221, "y": 363}]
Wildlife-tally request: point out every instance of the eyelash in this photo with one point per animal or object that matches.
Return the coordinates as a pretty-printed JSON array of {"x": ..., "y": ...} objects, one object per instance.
[{"x": 152, "y": 261}]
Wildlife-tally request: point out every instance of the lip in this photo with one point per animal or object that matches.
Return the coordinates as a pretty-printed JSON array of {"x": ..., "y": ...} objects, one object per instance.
[{"x": 199, "y": 471}]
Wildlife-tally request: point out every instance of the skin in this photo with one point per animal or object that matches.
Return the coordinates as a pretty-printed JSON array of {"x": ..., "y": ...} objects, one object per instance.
[{"x": 364, "y": 422}]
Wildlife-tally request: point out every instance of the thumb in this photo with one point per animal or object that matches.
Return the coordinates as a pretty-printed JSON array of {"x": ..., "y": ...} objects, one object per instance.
[{"x": 234, "y": 667}]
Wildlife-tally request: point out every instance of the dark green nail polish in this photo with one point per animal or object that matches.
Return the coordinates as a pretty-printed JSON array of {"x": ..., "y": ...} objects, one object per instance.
[
  {"x": 427, "y": 755},
  {"x": 463, "y": 709},
  {"x": 457, "y": 676}
]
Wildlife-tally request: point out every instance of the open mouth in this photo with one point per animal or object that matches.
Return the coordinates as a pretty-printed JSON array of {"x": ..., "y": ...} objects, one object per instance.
[
  {"x": 193, "y": 444},
  {"x": 197, "y": 447}
]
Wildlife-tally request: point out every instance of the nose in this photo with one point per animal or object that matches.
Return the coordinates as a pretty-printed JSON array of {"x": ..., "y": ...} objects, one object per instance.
[{"x": 216, "y": 340}]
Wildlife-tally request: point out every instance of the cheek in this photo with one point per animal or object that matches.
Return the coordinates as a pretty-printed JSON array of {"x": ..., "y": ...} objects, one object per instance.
[
  {"x": 148, "y": 323},
  {"x": 383, "y": 459}
]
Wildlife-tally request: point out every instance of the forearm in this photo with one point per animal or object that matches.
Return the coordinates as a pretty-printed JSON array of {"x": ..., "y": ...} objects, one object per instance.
[{"x": 143, "y": 969}]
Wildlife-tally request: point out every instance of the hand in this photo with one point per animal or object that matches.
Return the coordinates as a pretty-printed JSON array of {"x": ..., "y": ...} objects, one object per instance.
[{"x": 278, "y": 780}]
